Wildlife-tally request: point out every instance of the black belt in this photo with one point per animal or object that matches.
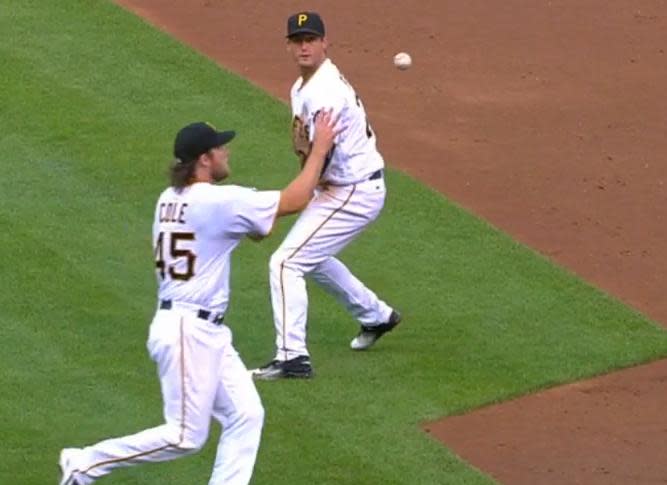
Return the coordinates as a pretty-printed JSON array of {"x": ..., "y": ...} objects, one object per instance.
[
  {"x": 376, "y": 175},
  {"x": 201, "y": 313}
]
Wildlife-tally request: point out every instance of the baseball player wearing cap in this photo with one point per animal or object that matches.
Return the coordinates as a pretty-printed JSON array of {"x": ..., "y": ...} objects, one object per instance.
[
  {"x": 350, "y": 196},
  {"x": 197, "y": 225}
]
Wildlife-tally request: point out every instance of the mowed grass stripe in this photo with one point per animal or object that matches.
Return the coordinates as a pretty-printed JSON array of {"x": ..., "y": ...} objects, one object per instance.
[{"x": 91, "y": 99}]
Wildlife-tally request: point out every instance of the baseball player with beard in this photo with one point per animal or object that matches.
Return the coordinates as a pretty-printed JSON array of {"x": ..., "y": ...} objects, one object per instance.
[
  {"x": 350, "y": 196},
  {"x": 197, "y": 225}
]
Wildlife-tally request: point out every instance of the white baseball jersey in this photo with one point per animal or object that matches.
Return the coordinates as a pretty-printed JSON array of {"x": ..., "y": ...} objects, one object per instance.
[
  {"x": 201, "y": 375},
  {"x": 194, "y": 233},
  {"x": 354, "y": 156}
]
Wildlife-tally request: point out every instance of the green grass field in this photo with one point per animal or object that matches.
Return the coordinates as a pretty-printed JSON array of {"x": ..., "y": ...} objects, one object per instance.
[{"x": 90, "y": 99}]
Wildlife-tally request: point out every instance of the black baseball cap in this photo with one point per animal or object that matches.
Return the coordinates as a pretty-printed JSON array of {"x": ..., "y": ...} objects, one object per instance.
[
  {"x": 305, "y": 23},
  {"x": 198, "y": 138}
]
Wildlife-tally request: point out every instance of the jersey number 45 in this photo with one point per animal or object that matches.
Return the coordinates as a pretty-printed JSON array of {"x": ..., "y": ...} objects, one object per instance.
[{"x": 168, "y": 265}]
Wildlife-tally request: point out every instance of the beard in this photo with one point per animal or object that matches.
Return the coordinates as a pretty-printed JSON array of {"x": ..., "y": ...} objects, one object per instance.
[{"x": 220, "y": 173}]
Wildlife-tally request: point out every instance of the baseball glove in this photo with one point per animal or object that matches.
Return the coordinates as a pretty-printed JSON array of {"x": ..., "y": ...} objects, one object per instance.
[{"x": 301, "y": 139}]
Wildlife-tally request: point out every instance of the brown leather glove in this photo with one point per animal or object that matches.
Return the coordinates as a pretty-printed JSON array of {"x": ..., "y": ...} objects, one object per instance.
[{"x": 300, "y": 139}]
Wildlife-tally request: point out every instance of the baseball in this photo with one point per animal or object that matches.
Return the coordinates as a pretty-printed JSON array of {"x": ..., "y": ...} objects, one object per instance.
[{"x": 402, "y": 60}]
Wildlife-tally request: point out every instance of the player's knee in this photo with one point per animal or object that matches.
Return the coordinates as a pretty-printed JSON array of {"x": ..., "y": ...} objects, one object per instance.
[
  {"x": 281, "y": 262},
  {"x": 251, "y": 417},
  {"x": 195, "y": 441},
  {"x": 256, "y": 415},
  {"x": 277, "y": 262},
  {"x": 186, "y": 441},
  {"x": 191, "y": 444}
]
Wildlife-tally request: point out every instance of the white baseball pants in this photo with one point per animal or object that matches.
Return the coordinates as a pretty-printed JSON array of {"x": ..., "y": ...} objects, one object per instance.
[
  {"x": 201, "y": 376},
  {"x": 335, "y": 216}
]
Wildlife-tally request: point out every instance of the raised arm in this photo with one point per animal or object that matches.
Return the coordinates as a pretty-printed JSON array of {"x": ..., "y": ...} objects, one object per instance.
[{"x": 297, "y": 194}]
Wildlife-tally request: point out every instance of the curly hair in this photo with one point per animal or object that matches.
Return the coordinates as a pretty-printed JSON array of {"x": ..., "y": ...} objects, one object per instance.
[{"x": 181, "y": 173}]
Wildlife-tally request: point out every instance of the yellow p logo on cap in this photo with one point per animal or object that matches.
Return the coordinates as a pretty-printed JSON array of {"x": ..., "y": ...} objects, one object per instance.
[{"x": 301, "y": 19}]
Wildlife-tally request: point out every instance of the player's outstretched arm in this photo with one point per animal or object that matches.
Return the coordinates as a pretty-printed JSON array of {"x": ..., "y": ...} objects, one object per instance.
[{"x": 297, "y": 194}]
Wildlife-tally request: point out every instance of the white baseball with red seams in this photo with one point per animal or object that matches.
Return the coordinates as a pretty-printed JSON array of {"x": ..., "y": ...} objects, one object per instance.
[
  {"x": 402, "y": 60},
  {"x": 351, "y": 197}
]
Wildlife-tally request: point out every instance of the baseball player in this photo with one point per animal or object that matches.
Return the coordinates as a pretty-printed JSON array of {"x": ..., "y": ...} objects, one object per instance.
[
  {"x": 197, "y": 225},
  {"x": 350, "y": 196}
]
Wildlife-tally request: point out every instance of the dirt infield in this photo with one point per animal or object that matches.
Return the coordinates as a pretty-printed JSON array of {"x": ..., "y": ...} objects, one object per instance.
[{"x": 547, "y": 119}]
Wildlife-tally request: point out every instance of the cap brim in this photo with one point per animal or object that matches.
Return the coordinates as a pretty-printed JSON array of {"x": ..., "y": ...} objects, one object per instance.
[
  {"x": 304, "y": 31},
  {"x": 224, "y": 137}
]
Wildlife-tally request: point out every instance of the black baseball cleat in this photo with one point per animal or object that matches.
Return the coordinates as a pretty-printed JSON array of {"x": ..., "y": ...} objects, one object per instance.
[
  {"x": 298, "y": 367},
  {"x": 369, "y": 335}
]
